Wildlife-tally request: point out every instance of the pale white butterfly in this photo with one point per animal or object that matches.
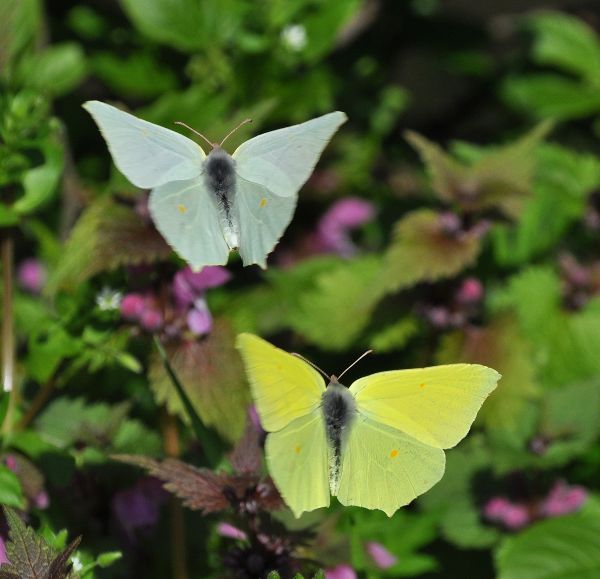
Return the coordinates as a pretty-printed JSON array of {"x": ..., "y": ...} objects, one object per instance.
[{"x": 205, "y": 206}]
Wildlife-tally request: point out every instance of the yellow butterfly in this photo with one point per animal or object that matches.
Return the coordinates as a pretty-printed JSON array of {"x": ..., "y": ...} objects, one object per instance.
[{"x": 377, "y": 444}]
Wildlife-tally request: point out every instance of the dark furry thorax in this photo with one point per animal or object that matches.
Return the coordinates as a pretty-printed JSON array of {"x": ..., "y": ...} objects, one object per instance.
[
  {"x": 339, "y": 409},
  {"x": 220, "y": 171}
]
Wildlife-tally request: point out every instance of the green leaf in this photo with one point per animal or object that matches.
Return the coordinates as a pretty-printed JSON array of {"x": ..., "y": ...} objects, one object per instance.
[
  {"x": 565, "y": 547},
  {"x": 19, "y": 22},
  {"x": 8, "y": 216},
  {"x": 47, "y": 351},
  {"x": 395, "y": 336},
  {"x": 500, "y": 177},
  {"x": 108, "y": 235},
  {"x": 567, "y": 43},
  {"x": 422, "y": 252},
  {"x": 138, "y": 75},
  {"x": 212, "y": 375},
  {"x": 39, "y": 183},
  {"x": 549, "y": 96},
  {"x": 511, "y": 407},
  {"x": 57, "y": 70},
  {"x": 186, "y": 24},
  {"x": 11, "y": 493},
  {"x": 563, "y": 180},
  {"x": 339, "y": 307}
]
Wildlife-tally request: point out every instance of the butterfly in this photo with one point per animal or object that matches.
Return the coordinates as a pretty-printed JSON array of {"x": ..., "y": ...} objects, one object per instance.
[
  {"x": 377, "y": 444},
  {"x": 207, "y": 205}
]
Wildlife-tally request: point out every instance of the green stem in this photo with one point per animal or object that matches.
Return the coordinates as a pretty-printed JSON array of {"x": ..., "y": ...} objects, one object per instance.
[{"x": 8, "y": 339}]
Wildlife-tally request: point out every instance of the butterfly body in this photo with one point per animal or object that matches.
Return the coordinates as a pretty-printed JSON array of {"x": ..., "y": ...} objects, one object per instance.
[
  {"x": 207, "y": 205},
  {"x": 219, "y": 179},
  {"x": 377, "y": 444}
]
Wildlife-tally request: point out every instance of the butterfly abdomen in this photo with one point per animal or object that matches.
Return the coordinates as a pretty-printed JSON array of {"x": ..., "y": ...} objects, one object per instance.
[
  {"x": 219, "y": 171},
  {"x": 339, "y": 409}
]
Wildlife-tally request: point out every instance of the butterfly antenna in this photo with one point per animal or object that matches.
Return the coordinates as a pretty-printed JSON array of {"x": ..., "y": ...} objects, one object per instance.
[
  {"x": 311, "y": 364},
  {"x": 355, "y": 362},
  {"x": 244, "y": 122},
  {"x": 213, "y": 145}
]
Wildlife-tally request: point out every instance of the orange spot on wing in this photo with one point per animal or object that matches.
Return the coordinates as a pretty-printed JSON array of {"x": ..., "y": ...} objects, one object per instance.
[
  {"x": 263, "y": 202},
  {"x": 421, "y": 385},
  {"x": 298, "y": 449},
  {"x": 394, "y": 453},
  {"x": 182, "y": 208}
]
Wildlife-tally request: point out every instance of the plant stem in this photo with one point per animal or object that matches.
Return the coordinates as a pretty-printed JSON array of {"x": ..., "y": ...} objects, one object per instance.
[
  {"x": 8, "y": 340},
  {"x": 178, "y": 546},
  {"x": 41, "y": 397}
]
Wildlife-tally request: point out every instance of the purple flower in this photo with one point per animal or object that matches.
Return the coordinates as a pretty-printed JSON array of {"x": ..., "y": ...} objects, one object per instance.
[
  {"x": 132, "y": 306},
  {"x": 3, "y": 557},
  {"x": 380, "y": 555},
  {"x": 512, "y": 515},
  {"x": 563, "y": 499},
  {"x": 231, "y": 532},
  {"x": 199, "y": 320},
  {"x": 31, "y": 275},
  {"x": 138, "y": 506},
  {"x": 189, "y": 285},
  {"x": 41, "y": 500},
  {"x": 340, "y": 572},
  {"x": 333, "y": 230}
]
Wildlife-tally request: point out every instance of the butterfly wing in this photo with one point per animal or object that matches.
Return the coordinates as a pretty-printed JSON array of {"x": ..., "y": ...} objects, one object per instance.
[
  {"x": 297, "y": 458},
  {"x": 186, "y": 215},
  {"x": 383, "y": 468},
  {"x": 147, "y": 154},
  {"x": 282, "y": 160},
  {"x": 263, "y": 219},
  {"x": 283, "y": 387},
  {"x": 435, "y": 405}
]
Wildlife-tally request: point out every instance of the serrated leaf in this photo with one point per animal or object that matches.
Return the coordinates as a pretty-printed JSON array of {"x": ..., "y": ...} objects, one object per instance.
[
  {"x": 563, "y": 180},
  {"x": 422, "y": 252},
  {"x": 511, "y": 408},
  {"x": 567, "y": 43},
  {"x": 31, "y": 557},
  {"x": 108, "y": 235},
  {"x": 338, "y": 308},
  {"x": 565, "y": 547},
  {"x": 501, "y": 177},
  {"x": 203, "y": 490},
  {"x": 212, "y": 375}
]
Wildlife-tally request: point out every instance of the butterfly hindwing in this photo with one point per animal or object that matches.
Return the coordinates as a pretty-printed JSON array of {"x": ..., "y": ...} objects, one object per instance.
[
  {"x": 147, "y": 154},
  {"x": 383, "y": 468},
  {"x": 283, "y": 387},
  {"x": 183, "y": 209},
  {"x": 282, "y": 160},
  {"x": 297, "y": 458},
  {"x": 263, "y": 219},
  {"x": 435, "y": 405}
]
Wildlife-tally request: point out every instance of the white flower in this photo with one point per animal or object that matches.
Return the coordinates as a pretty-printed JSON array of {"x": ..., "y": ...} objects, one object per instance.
[
  {"x": 77, "y": 564},
  {"x": 109, "y": 299},
  {"x": 294, "y": 36}
]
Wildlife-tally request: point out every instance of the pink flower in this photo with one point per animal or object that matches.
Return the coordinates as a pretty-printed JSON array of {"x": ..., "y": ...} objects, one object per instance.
[
  {"x": 199, "y": 320},
  {"x": 31, "y": 275},
  {"x": 3, "y": 557},
  {"x": 231, "y": 532},
  {"x": 189, "y": 285},
  {"x": 470, "y": 291},
  {"x": 381, "y": 556},
  {"x": 132, "y": 306},
  {"x": 41, "y": 500},
  {"x": 563, "y": 499},
  {"x": 340, "y": 572},
  {"x": 512, "y": 515},
  {"x": 333, "y": 230},
  {"x": 151, "y": 320}
]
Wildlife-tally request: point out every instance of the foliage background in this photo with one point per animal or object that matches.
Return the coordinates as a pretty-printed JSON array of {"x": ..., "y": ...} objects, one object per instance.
[{"x": 480, "y": 248}]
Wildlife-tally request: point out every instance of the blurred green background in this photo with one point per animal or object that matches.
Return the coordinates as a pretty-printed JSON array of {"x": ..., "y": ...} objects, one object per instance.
[{"x": 455, "y": 217}]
